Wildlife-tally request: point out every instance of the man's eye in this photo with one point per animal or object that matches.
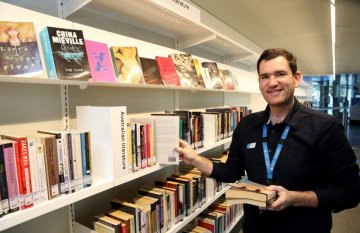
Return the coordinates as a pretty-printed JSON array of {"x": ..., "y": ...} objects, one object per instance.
[
  {"x": 280, "y": 75},
  {"x": 264, "y": 77}
]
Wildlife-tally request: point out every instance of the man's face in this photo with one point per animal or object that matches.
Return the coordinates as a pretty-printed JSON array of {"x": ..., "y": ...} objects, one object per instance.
[{"x": 276, "y": 82}]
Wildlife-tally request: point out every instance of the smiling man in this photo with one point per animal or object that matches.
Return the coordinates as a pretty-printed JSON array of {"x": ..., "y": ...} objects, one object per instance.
[{"x": 302, "y": 154}]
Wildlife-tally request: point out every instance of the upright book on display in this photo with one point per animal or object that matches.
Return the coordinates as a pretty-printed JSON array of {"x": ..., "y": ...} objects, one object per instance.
[
  {"x": 127, "y": 64},
  {"x": 100, "y": 62},
  {"x": 19, "y": 53},
  {"x": 65, "y": 54},
  {"x": 107, "y": 127}
]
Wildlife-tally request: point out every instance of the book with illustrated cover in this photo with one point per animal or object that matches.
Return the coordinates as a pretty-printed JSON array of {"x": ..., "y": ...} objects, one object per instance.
[
  {"x": 228, "y": 79},
  {"x": 19, "y": 51},
  {"x": 186, "y": 69},
  {"x": 249, "y": 192},
  {"x": 150, "y": 70},
  {"x": 212, "y": 77},
  {"x": 199, "y": 73},
  {"x": 167, "y": 71},
  {"x": 127, "y": 64},
  {"x": 100, "y": 62},
  {"x": 65, "y": 54}
]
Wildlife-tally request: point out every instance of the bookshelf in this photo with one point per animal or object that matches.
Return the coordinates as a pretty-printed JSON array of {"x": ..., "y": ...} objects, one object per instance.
[{"x": 30, "y": 104}]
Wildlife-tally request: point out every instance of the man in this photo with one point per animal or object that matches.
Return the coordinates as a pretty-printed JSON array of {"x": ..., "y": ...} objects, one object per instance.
[{"x": 302, "y": 154}]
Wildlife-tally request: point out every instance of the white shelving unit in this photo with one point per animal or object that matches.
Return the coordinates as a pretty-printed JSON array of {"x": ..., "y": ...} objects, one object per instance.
[{"x": 29, "y": 104}]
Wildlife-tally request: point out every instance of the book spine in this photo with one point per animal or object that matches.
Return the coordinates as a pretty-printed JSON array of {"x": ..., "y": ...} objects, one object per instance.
[
  {"x": 40, "y": 159},
  {"x": 60, "y": 154},
  {"x": 77, "y": 161},
  {"x": 3, "y": 184},
  {"x": 48, "y": 54},
  {"x": 88, "y": 159},
  {"x": 34, "y": 171},
  {"x": 52, "y": 167},
  {"x": 71, "y": 163},
  {"x": 11, "y": 176},
  {"x": 65, "y": 162}
]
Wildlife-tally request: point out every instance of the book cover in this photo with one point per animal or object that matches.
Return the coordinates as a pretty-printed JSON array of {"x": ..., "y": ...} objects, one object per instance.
[
  {"x": 107, "y": 127},
  {"x": 250, "y": 193},
  {"x": 168, "y": 71},
  {"x": 199, "y": 73},
  {"x": 186, "y": 69},
  {"x": 228, "y": 79},
  {"x": 65, "y": 54},
  {"x": 166, "y": 138},
  {"x": 212, "y": 79},
  {"x": 19, "y": 51},
  {"x": 101, "y": 67},
  {"x": 150, "y": 71},
  {"x": 127, "y": 64}
]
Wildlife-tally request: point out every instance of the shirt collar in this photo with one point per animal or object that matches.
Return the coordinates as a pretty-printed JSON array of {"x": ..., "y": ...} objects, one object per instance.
[{"x": 291, "y": 119}]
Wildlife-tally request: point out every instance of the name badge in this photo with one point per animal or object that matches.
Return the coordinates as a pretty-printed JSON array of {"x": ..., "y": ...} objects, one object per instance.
[{"x": 251, "y": 145}]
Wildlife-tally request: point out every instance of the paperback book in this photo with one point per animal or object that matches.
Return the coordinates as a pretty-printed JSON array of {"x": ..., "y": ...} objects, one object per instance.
[
  {"x": 151, "y": 71},
  {"x": 127, "y": 64},
  {"x": 19, "y": 51},
  {"x": 167, "y": 71},
  {"x": 186, "y": 69},
  {"x": 212, "y": 77},
  {"x": 65, "y": 54},
  {"x": 100, "y": 62}
]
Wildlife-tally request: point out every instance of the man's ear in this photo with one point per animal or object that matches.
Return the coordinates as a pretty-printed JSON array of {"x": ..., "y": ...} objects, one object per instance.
[{"x": 298, "y": 78}]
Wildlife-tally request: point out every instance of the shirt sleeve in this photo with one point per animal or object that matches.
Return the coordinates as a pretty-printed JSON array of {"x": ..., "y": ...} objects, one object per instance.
[
  {"x": 233, "y": 169},
  {"x": 342, "y": 172}
]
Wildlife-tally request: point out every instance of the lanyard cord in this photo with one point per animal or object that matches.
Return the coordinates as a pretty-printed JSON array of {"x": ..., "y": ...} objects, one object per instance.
[{"x": 271, "y": 164}]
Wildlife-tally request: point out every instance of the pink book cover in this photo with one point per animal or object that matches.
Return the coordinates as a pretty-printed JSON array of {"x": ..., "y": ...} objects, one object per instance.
[
  {"x": 100, "y": 62},
  {"x": 11, "y": 175}
]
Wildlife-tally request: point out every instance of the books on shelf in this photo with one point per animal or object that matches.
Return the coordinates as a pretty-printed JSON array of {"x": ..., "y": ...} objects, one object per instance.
[
  {"x": 65, "y": 54},
  {"x": 150, "y": 71},
  {"x": 101, "y": 66},
  {"x": 168, "y": 71},
  {"x": 228, "y": 79},
  {"x": 127, "y": 64},
  {"x": 249, "y": 193},
  {"x": 19, "y": 53}
]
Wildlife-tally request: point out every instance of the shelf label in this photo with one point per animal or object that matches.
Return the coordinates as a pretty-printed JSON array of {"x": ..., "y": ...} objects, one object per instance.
[{"x": 182, "y": 8}]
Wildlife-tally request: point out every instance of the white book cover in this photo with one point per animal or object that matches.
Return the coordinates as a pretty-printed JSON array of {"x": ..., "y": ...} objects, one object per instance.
[
  {"x": 40, "y": 159},
  {"x": 34, "y": 170},
  {"x": 107, "y": 126},
  {"x": 166, "y": 132}
]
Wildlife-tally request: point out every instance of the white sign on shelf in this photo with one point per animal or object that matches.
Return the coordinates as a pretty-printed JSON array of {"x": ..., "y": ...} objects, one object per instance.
[{"x": 182, "y": 8}]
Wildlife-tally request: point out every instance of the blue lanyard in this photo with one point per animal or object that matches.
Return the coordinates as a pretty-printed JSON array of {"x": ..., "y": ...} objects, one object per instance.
[{"x": 271, "y": 164}]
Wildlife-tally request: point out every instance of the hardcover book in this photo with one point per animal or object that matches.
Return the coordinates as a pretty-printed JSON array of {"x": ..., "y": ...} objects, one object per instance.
[
  {"x": 186, "y": 69},
  {"x": 19, "y": 51},
  {"x": 65, "y": 54},
  {"x": 127, "y": 64},
  {"x": 212, "y": 77},
  {"x": 100, "y": 62},
  {"x": 150, "y": 71},
  {"x": 228, "y": 79},
  {"x": 249, "y": 193},
  {"x": 168, "y": 71}
]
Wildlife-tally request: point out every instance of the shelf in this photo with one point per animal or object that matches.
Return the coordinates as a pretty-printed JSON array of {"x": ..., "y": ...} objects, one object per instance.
[
  {"x": 203, "y": 30},
  {"x": 219, "y": 143},
  {"x": 12, "y": 219}
]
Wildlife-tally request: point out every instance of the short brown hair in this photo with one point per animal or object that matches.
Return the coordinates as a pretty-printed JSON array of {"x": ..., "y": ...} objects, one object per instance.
[{"x": 269, "y": 54}]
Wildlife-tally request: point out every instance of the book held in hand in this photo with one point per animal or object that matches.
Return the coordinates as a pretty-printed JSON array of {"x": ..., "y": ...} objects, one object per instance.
[
  {"x": 19, "y": 51},
  {"x": 248, "y": 192},
  {"x": 65, "y": 54}
]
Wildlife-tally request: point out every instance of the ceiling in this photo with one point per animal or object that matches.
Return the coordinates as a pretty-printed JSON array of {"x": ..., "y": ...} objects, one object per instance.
[{"x": 300, "y": 26}]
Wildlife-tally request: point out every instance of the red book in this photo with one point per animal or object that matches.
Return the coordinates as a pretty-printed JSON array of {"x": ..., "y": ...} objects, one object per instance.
[
  {"x": 23, "y": 170},
  {"x": 168, "y": 71}
]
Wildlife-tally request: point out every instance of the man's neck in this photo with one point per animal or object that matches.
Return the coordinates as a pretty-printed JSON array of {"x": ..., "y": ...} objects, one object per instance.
[{"x": 279, "y": 113}]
